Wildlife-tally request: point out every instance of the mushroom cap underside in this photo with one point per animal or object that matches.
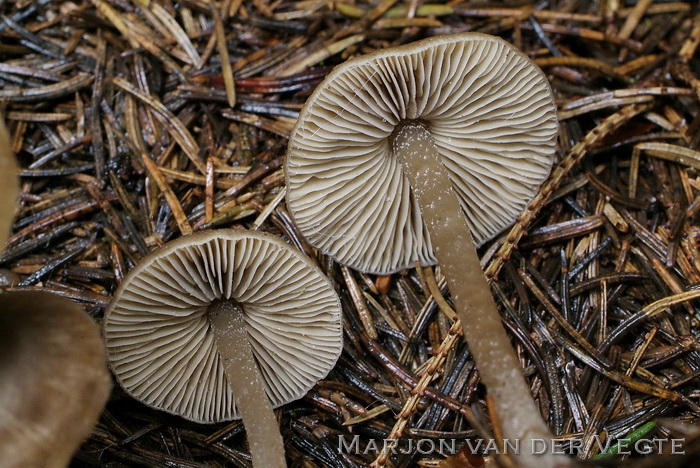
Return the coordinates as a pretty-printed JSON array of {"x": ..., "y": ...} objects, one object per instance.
[
  {"x": 489, "y": 110},
  {"x": 159, "y": 341}
]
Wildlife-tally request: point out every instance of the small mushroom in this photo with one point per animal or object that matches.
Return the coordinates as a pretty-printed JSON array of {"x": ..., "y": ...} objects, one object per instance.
[
  {"x": 53, "y": 379},
  {"x": 420, "y": 153},
  {"x": 224, "y": 324}
]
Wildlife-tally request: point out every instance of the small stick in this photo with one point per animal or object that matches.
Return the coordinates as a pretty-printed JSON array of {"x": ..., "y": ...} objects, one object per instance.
[
  {"x": 226, "y": 8},
  {"x": 582, "y": 62},
  {"x": 389, "y": 23},
  {"x": 437, "y": 294},
  {"x": 359, "y": 302},
  {"x": 690, "y": 45},
  {"x": 495, "y": 425},
  {"x": 209, "y": 191},
  {"x": 669, "y": 152},
  {"x": 72, "y": 144},
  {"x": 636, "y": 64},
  {"x": 267, "y": 211},
  {"x": 328, "y": 49},
  {"x": 170, "y": 197},
  {"x": 45, "y": 93},
  {"x": 197, "y": 179},
  {"x": 223, "y": 54},
  {"x": 633, "y": 19}
]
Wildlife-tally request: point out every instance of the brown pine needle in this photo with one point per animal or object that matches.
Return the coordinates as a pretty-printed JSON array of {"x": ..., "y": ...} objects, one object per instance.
[
  {"x": 170, "y": 121},
  {"x": 437, "y": 294},
  {"x": 222, "y": 45},
  {"x": 633, "y": 19},
  {"x": 170, "y": 198},
  {"x": 209, "y": 191}
]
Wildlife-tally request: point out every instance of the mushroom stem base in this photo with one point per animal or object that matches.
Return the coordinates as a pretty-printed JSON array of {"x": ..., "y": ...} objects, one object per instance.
[
  {"x": 455, "y": 251},
  {"x": 243, "y": 375}
]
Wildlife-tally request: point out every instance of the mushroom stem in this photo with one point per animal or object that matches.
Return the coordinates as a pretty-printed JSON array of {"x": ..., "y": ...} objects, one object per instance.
[
  {"x": 455, "y": 251},
  {"x": 243, "y": 375}
]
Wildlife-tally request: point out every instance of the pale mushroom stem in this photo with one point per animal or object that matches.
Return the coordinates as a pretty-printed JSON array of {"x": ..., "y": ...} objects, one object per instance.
[
  {"x": 455, "y": 251},
  {"x": 243, "y": 375}
]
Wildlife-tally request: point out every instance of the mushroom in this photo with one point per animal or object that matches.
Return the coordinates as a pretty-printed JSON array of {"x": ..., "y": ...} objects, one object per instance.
[
  {"x": 421, "y": 153},
  {"x": 53, "y": 379},
  {"x": 215, "y": 323}
]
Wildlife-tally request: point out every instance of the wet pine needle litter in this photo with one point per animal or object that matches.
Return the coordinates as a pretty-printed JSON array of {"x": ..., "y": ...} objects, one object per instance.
[{"x": 138, "y": 121}]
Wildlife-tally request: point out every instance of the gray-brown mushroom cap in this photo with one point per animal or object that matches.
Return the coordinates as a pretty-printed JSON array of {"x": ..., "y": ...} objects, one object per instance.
[
  {"x": 54, "y": 381},
  {"x": 158, "y": 335},
  {"x": 486, "y": 105}
]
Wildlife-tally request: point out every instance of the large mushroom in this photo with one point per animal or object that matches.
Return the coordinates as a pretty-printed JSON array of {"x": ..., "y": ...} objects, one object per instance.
[
  {"x": 224, "y": 324},
  {"x": 421, "y": 153},
  {"x": 53, "y": 378}
]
